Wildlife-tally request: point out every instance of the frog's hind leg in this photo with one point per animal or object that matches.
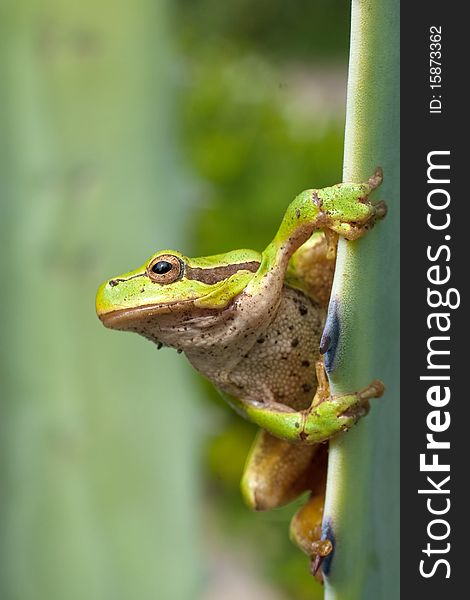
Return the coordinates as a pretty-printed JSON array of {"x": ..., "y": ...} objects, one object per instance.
[
  {"x": 276, "y": 472},
  {"x": 306, "y": 524},
  {"x": 326, "y": 417},
  {"x": 306, "y": 532}
]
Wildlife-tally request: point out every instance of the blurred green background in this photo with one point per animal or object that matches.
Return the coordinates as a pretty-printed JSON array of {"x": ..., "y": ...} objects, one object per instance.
[{"x": 127, "y": 127}]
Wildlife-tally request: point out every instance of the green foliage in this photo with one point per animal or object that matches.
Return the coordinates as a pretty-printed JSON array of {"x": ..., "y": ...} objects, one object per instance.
[
  {"x": 296, "y": 30},
  {"x": 253, "y": 140}
]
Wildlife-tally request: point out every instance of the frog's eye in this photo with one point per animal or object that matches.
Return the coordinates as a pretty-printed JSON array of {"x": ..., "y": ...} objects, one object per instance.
[{"x": 165, "y": 268}]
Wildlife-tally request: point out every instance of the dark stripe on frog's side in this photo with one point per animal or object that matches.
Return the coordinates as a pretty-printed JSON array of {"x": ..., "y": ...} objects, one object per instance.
[
  {"x": 213, "y": 275},
  {"x": 117, "y": 281}
]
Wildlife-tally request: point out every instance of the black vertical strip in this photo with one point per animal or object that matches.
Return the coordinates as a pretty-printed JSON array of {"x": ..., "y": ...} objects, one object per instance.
[{"x": 435, "y": 254}]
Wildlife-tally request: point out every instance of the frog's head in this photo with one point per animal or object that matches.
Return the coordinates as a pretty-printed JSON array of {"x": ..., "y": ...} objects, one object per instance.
[{"x": 170, "y": 286}]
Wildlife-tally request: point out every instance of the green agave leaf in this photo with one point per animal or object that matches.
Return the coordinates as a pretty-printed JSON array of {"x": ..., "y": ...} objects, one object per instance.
[
  {"x": 362, "y": 504},
  {"x": 98, "y": 492}
]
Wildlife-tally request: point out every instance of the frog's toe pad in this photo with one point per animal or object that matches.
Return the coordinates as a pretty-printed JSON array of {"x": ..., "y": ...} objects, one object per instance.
[
  {"x": 323, "y": 549},
  {"x": 374, "y": 390},
  {"x": 381, "y": 210},
  {"x": 376, "y": 179}
]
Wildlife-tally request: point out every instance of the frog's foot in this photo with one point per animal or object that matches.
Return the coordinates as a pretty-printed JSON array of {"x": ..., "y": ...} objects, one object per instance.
[
  {"x": 306, "y": 533},
  {"x": 376, "y": 179},
  {"x": 326, "y": 417},
  {"x": 353, "y": 231},
  {"x": 346, "y": 209}
]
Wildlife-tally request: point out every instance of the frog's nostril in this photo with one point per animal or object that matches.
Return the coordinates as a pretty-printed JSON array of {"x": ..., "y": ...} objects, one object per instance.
[{"x": 113, "y": 282}]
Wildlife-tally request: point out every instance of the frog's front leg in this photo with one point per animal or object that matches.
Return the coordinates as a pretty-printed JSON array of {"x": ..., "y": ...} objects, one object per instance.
[
  {"x": 343, "y": 208},
  {"x": 326, "y": 417}
]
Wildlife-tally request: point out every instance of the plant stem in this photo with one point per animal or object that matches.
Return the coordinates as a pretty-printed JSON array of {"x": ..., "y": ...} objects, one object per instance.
[{"x": 362, "y": 504}]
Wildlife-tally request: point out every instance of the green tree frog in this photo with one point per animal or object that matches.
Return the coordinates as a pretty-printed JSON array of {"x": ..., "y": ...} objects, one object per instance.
[{"x": 252, "y": 323}]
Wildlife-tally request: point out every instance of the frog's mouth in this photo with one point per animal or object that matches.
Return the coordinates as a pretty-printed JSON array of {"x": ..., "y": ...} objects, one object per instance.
[{"x": 128, "y": 319}]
